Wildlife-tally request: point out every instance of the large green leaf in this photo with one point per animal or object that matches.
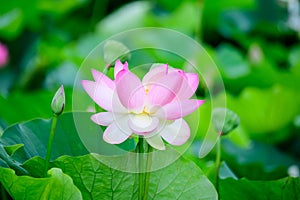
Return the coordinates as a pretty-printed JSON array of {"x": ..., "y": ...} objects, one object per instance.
[
  {"x": 181, "y": 180},
  {"x": 56, "y": 186},
  {"x": 34, "y": 135},
  {"x": 283, "y": 189}
]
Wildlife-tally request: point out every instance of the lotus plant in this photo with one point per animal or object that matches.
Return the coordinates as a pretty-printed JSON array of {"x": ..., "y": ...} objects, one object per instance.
[{"x": 153, "y": 107}]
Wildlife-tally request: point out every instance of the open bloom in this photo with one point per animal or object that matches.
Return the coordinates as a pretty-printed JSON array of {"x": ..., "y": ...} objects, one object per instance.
[{"x": 153, "y": 107}]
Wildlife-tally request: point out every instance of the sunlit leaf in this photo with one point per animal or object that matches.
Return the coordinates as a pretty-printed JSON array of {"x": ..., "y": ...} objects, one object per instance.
[
  {"x": 181, "y": 180},
  {"x": 261, "y": 110}
]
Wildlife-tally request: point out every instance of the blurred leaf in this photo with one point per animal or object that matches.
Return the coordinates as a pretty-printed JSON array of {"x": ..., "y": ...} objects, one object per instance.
[
  {"x": 7, "y": 78},
  {"x": 145, "y": 14},
  {"x": 11, "y": 23},
  {"x": 30, "y": 104},
  {"x": 132, "y": 15},
  {"x": 185, "y": 18},
  {"x": 261, "y": 110},
  {"x": 79, "y": 50},
  {"x": 64, "y": 74},
  {"x": 271, "y": 25},
  {"x": 294, "y": 61},
  {"x": 57, "y": 186},
  {"x": 114, "y": 50},
  {"x": 231, "y": 62},
  {"x": 294, "y": 58},
  {"x": 284, "y": 189},
  {"x": 59, "y": 7},
  {"x": 212, "y": 12},
  {"x": 30, "y": 14},
  {"x": 234, "y": 23},
  {"x": 257, "y": 161},
  {"x": 276, "y": 53},
  {"x": 168, "y": 5},
  {"x": 239, "y": 137},
  {"x": 262, "y": 72}
]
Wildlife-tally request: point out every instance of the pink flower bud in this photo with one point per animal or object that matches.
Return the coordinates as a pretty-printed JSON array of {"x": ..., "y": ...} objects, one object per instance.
[{"x": 3, "y": 55}]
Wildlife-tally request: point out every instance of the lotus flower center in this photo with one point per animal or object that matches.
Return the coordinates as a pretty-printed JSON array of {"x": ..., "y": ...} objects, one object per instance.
[{"x": 142, "y": 120}]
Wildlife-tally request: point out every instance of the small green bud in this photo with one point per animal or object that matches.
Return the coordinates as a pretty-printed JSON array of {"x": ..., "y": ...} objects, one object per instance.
[
  {"x": 58, "y": 101},
  {"x": 224, "y": 120}
]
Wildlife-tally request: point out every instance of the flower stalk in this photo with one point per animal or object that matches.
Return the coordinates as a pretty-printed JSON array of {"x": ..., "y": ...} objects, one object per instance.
[
  {"x": 144, "y": 151},
  {"x": 148, "y": 170},
  {"x": 140, "y": 151},
  {"x": 218, "y": 163},
  {"x": 224, "y": 121},
  {"x": 50, "y": 142}
]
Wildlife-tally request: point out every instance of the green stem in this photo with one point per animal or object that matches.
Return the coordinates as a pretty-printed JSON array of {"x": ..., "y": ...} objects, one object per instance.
[
  {"x": 148, "y": 169},
  {"x": 218, "y": 163},
  {"x": 50, "y": 141},
  {"x": 140, "y": 148}
]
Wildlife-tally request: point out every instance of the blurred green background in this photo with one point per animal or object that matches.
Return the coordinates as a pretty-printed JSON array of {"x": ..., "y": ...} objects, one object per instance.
[{"x": 255, "y": 44}]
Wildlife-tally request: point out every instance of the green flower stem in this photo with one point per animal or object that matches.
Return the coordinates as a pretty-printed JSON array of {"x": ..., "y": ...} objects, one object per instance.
[
  {"x": 140, "y": 151},
  {"x": 218, "y": 163},
  {"x": 148, "y": 169},
  {"x": 144, "y": 164},
  {"x": 50, "y": 141}
]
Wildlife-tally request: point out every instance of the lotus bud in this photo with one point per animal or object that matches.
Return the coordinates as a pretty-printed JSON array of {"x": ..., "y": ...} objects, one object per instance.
[
  {"x": 224, "y": 120},
  {"x": 58, "y": 101}
]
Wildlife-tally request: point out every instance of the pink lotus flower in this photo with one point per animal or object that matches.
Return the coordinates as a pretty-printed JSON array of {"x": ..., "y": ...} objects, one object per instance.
[
  {"x": 3, "y": 55},
  {"x": 152, "y": 108}
]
